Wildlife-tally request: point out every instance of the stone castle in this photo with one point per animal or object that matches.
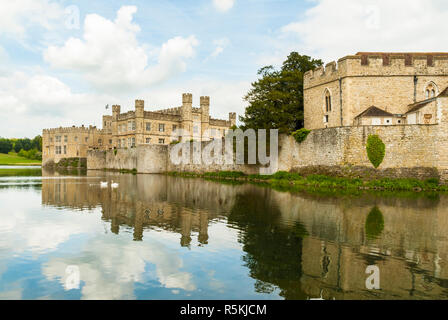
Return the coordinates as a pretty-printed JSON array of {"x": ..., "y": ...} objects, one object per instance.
[
  {"x": 133, "y": 128},
  {"x": 376, "y": 89}
]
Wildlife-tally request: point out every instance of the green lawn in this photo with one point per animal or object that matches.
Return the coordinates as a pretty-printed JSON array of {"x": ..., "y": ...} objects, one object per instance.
[{"x": 14, "y": 160}]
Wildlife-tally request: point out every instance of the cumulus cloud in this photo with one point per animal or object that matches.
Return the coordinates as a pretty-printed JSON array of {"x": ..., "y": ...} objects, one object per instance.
[
  {"x": 110, "y": 57},
  {"x": 16, "y": 16},
  {"x": 333, "y": 29},
  {"x": 36, "y": 100},
  {"x": 223, "y": 5},
  {"x": 110, "y": 274}
]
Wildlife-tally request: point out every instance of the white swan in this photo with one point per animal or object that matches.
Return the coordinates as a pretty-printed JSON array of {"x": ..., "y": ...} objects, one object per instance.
[
  {"x": 103, "y": 184},
  {"x": 114, "y": 185}
]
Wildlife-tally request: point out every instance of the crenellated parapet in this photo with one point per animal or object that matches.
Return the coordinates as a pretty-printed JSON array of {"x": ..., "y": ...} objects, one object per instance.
[
  {"x": 72, "y": 129},
  {"x": 156, "y": 115},
  {"x": 379, "y": 64}
]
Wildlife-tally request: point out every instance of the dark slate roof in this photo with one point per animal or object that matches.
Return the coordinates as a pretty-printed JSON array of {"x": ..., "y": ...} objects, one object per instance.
[
  {"x": 374, "y": 112},
  {"x": 444, "y": 93},
  {"x": 418, "y": 105}
]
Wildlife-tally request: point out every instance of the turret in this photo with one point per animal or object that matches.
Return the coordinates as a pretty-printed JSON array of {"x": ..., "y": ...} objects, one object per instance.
[
  {"x": 187, "y": 114},
  {"x": 116, "y": 109},
  {"x": 232, "y": 119},
  {"x": 139, "y": 108}
]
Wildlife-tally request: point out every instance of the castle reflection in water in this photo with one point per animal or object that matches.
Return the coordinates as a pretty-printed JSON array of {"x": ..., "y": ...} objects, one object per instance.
[{"x": 306, "y": 245}]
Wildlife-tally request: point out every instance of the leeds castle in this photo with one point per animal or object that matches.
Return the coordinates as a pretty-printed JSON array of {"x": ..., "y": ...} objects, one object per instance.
[
  {"x": 376, "y": 89},
  {"x": 401, "y": 97},
  {"x": 134, "y": 128}
]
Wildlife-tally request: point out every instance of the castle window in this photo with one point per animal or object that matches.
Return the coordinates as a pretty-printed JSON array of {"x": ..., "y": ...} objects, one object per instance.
[
  {"x": 431, "y": 90},
  {"x": 327, "y": 101},
  {"x": 133, "y": 142},
  {"x": 58, "y": 138},
  {"x": 87, "y": 139},
  {"x": 161, "y": 127},
  {"x": 100, "y": 142},
  {"x": 110, "y": 141},
  {"x": 119, "y": 143},
  {"x": 174, "y": 127},
  {"x": 76, "y": 139},
  {"x": 65, "y": 149},
  {"x": 326, "y": 118},
  {"x": 148, "y": 140},
  {"x": 161, "y": 141},
  {"x": 65, "y": 138},
  {"x": 133, "y": 125},
  {"x": 148, "y": 126}
]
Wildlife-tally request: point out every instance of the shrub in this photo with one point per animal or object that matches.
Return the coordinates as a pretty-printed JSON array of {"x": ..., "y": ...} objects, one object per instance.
[
  {"x": 301, "y": 134},
  {"x": 376, "y": 150},
  {"x": 115, "y": 151}
]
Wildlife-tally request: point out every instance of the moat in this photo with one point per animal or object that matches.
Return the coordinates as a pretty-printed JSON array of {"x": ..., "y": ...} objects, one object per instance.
[{"x": 162, "y": 237}]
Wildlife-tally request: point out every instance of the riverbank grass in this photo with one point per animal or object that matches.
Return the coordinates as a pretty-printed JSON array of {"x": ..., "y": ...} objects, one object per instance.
[
  {"x": 15, "y": 160},
  {"x": 286, "y": 179}
]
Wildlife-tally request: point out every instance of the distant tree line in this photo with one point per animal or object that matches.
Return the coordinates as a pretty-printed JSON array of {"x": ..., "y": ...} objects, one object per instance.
[{"x": 27, "y": 148}]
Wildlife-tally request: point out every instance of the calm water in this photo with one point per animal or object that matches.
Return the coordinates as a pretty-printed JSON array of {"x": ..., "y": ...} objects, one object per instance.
[{"x": 158, "y": 237}]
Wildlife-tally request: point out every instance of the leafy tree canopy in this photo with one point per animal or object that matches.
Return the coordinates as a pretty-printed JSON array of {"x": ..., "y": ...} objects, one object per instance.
[{"x": 276, "y": 99}]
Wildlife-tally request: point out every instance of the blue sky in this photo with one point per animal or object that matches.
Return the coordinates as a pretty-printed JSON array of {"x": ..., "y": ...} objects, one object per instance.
[{"x": 61, "y": 62}]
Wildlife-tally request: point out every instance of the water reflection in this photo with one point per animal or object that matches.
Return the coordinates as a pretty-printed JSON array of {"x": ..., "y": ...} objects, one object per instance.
[{"x": 162, "y": 237}]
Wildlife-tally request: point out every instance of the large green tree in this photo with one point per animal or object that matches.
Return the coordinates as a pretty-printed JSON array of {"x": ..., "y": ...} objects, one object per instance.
[
  {"x": 5, "y": 145},
  {"x": 276, "y": 99}
]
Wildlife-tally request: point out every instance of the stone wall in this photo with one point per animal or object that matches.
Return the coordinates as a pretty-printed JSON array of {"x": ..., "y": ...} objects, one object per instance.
[
  {"x": 385, "y": 81},
  {"x": 412, "y": 151}
]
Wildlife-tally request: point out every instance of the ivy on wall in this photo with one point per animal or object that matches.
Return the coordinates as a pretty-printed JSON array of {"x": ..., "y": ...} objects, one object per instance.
[
  {"x": 376, "y": 150},
  {"x": 301, "y": 134}
]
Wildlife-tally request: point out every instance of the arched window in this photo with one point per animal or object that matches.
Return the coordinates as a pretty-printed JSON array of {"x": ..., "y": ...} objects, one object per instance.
[
  {"x": 327, "y": 101},
  {"x": 431, "y": 90}
]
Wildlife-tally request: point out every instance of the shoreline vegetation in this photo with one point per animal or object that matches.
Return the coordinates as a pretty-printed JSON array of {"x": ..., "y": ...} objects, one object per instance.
[{"x": 294, "y": 181}]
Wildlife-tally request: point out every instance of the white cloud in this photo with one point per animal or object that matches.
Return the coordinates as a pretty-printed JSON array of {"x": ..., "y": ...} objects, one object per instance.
[
  {"x": 110, "y": 274},
  {"x": 220, "y": 45},
  {"x": 110, "y": 57},
  {"x": 37, "y": 100},
  {"x": 16, "y": 16},
  {"x": 333, "y": 29},
  {"x": 223, "y": 5}
]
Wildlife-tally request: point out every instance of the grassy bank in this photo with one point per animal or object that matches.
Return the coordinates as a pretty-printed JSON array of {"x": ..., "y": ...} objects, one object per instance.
[
  {"x": 15, "y": 160},
  {"x": 296, "y": 181},
  {"x": 21, "y": 172}
]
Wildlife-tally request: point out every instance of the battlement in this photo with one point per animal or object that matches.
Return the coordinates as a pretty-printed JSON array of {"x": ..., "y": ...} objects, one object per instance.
[
  {"x": 187, "y": 98},
  {"x": 379, "y": 64},
  {"x": 204, "y": 101},
  {"x": 73, "y": 129},
  {"x": 127, "y": 115},
  {"x": 232, "y": 115},
  {"x": 116, "y": 108},
  {"x": 175, "y": 111},
  {"x": 139, "y": 104}
]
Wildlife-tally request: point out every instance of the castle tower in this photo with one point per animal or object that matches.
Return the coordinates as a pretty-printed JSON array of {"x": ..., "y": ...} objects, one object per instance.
[
  {"x": 205, "y": 115},
  {"x": 116, "y": 110},
  {"x": 139, "y": 119},
  {"x": 187, "y": 115},
  {"x": 232, "y": 119}
]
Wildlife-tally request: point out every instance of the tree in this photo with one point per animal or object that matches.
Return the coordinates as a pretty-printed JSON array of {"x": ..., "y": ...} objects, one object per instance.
[
  {"x": 36, "y": 143},
  {"x": 276, "y": 99},
  {"x": 18, "y": 145},
  {"x": 5, "y": 145}
]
